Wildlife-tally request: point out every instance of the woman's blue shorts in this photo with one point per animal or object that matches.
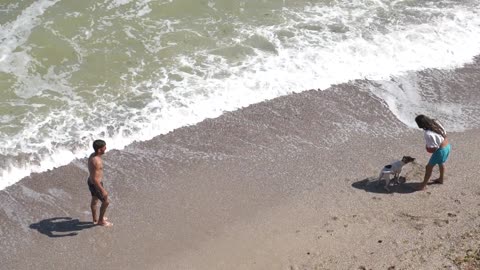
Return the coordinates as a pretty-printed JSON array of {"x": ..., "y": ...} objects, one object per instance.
[{"x": 440, "y": 156}]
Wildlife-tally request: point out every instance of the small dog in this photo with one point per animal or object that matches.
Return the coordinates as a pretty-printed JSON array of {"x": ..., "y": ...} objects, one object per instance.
[{"x": 393, "y": 169}]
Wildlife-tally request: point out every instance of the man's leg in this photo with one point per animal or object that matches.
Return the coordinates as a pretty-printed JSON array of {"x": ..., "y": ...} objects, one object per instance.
[
  {"x": 428, "y": 173},
  {"x": 103, "y": 208},
  {"x": 93, "y": 206}
]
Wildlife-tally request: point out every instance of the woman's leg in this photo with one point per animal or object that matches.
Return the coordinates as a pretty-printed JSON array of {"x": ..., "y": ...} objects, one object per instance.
[
  {"x": 442, "y": 173},
  {"x": 428, "y": 174}
]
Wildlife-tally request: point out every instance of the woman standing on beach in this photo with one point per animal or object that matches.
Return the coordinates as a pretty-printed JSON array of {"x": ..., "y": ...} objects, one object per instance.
[{"x": 437, "y": 144}]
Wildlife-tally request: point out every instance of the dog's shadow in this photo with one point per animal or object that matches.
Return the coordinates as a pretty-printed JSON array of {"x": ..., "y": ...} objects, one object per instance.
[
  {"x": 373, "y": 185},
  {"x": 413, "y": 171}
]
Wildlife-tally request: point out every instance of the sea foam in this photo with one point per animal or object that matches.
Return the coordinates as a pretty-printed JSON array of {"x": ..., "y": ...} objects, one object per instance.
[{"x": 310, "y": 48}]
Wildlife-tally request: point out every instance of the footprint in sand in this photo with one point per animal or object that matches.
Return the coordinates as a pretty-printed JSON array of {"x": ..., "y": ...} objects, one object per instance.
[
  {"x": 451, "y": 215},
  {"x": 440, "y": 222},
  {"x": 419, "y": 226}
]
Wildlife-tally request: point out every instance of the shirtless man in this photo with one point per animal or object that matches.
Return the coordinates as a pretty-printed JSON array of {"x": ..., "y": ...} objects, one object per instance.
[{"x": 95, "y": 185}]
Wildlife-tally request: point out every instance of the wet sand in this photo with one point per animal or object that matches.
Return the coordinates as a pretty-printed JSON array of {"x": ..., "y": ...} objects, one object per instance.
[{"x": 285, "y": 184}]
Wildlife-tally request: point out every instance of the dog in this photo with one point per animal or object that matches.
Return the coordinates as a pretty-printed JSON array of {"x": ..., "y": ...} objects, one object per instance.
[{"x": 393, "y": 169}]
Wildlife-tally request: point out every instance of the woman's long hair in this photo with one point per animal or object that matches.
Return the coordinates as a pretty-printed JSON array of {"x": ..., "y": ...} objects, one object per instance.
[{"x": 430, "y": 124}]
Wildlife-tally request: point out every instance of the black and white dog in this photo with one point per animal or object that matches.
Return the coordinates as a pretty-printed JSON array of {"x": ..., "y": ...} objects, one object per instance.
[{"x": 393, "y": 169}]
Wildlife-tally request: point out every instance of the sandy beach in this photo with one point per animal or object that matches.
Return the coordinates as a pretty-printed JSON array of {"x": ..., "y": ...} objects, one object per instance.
[{"x": 285, "y": 184}]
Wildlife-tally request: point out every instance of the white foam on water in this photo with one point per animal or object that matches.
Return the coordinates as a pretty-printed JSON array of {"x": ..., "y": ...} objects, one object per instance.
[
  {"x": 296, "y": 55},
  {"x": 117, "y": 3},
  {"x": 15, "y": 33},
  {"x": 401, "y": 95},
  {"x": 142, "y": 7},
  {"x": 16, "y": 60},
  {"x": 56, "y": 159}
]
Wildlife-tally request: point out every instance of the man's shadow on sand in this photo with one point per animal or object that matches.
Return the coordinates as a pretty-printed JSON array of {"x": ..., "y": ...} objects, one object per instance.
[
  {"x": 61, "y": 226},
  {"x": 375, "y": 186}
]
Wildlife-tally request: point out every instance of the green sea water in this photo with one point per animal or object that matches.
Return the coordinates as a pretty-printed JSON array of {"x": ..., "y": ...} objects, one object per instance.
[{"x": 72, "y": 71}]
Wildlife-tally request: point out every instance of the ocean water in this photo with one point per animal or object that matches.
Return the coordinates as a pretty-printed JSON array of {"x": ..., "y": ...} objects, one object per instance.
[{"x": 123, "y": 70}]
